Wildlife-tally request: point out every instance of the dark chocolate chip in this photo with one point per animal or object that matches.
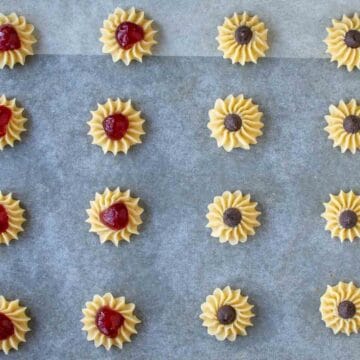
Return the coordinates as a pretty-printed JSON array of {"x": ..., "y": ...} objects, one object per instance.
[
  {"x": 348, "y": 219},
  {"x": 346, "y": 309},
  {"x": 226, "y": 314},
  {"x": 243, "y": 35},
  {"x": 352, "y": 39},
  {"x": 232, "y": 122},
  {"x": 232, "y": 217},
  {"x": 352, "y": 124}
]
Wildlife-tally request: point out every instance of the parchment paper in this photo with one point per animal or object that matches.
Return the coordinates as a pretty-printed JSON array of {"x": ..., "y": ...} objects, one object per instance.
[
  {"x": 187, "y": 27},
  {"x": 169, "y": 269}
]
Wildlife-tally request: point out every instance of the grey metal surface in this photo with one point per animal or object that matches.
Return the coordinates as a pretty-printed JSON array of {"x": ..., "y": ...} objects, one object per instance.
[{"x": 169, "y": 269}]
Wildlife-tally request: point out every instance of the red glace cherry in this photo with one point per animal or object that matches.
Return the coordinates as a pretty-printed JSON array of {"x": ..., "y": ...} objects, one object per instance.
[
  {"x": 109, "y": 321},
  {"x": 6, "y": 327},
  {"x": 127, "y": 34},
  {"x": 116, "y": 217},
  {"x": 5, "y": 116},
  {"x": 4, "y": 219},
  {"x": 115, "y": 126},
  {"x": 9, "y": 38}
]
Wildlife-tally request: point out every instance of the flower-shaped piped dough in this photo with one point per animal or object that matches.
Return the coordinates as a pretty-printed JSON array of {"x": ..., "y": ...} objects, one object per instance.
[
  {"x": 235, "y": 122},
  {"x": 127, "y": 35},
  {"x": 226, "y": 313},
  {"x": 343, "y": 41},
  {"x": 114, "y": 216},
  {"x": 109, "y": 321},
  {"x": 16, "y": 40},
  {"x": 13, "y": 324},
  {"x": 232, "y": 217},
  {"x": 342, "y": 215},
  {"x": 11, "y": 122},
  {"x": 344, "y": 125},
  {"x": 11, "y": 218},
  {"x": 340, "y": 308},
  {"x": 116, "y": 126},
  {"x": 243, "y": 38}
]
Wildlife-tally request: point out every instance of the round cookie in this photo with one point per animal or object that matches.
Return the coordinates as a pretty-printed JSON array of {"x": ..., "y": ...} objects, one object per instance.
[
  {"x": 109, "y": 321},
  {"x": 11, "y": 218},
  {"x": 116, "y": 126},
  {"x": 127, "y": 35},
  {"x": 343, "y": 41},
  {"x": 12, "y": 122},
  {"x": 342, "y": 215},
  {"x": 232, "y": 217},
  {"x": 242, "y": 38},
  {"x": 13, "y": 324},
  {"x": 226, "y": 314},
  {"x": 343, "y": 125},
  {"x": 114, "y": 215},
  {"x": 340, "y": 308},
  {"x": 235, "y": 122},
  {"x": 16, "y": 40}
]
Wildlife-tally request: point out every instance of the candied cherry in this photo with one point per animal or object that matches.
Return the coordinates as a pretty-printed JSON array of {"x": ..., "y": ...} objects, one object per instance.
[
  {"x": 109, "y": 321},
  {"x": 128, "y": 34},
  {"x": 116, "y": 217}
]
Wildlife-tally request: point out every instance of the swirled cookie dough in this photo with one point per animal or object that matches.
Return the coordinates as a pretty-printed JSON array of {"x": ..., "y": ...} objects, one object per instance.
[
  {"x": 11, "y": 218},
  {"x": 16, "y": 40},
  {"x": 344, "y": 125},
  {"x": 226, "y": 314},
  {"x": 342, "y": 215},
  {"x": 343, "y": 41},
  {"x": 116, "y": 126},
  {"x": 340, "y": 308},
  {"x": 127, "y": 35},
  {"x": 12, "y": 122},
  {"x": 232, "y": 217},
  {"x": 114, "y": 216},
  {"x": 109, "y": 321},
  {"x": 243, "y": 38},
  {"x": 14, "y": 324},
  {"x": 235, "y": 122}
]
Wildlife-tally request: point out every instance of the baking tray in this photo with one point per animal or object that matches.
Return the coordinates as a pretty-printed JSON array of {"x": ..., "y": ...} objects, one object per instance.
[{"x": 169, "y": 269}]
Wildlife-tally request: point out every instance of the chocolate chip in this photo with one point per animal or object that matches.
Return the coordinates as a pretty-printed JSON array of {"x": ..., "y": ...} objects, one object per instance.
[
  {"x": 352, "y": 39},
  {"x": 346, "y": 309},
  {"x": 243, "y": 35},
  {"x": 232, "y": 217},
  {"x": 232, "y": 122},
  {"x": 352, "y": 124},
  {"x": 226, "y": 314},
  {"x": 348, "y": 219}
]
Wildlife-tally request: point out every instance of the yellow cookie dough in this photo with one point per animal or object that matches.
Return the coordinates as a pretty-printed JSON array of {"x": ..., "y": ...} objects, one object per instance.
[
  {"x": 122, "y": 319},
  {"x": 340, "y": 308},
  {"x": 15, "y": 125},
  {"x": 344, "y": 125},
  {"x": 243, "y": 38},
  {"x": 342, "y": 215},
  {"x": 232, "y": 217},
  {"x": 343, "y": 42},
  {"x": 115, "y": 32},
  {"x": 226, "y": 314},
  {"x": 235, "y": 122},
  {"x": 104, "y": 120},
  {"x": 13, "y": 318},
  {"x": 20, "y": 32},
  {"x": 102, "y": 211},
  {"x": 11, "y": 218}
]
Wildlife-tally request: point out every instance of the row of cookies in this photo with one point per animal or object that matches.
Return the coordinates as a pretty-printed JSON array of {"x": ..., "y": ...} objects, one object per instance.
[
  {"x": 128, "y": 35},
  {"x": 227, "y": 313},
  {"x": 115, "y": 215},
  {"x": 235, "y": 122}
]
